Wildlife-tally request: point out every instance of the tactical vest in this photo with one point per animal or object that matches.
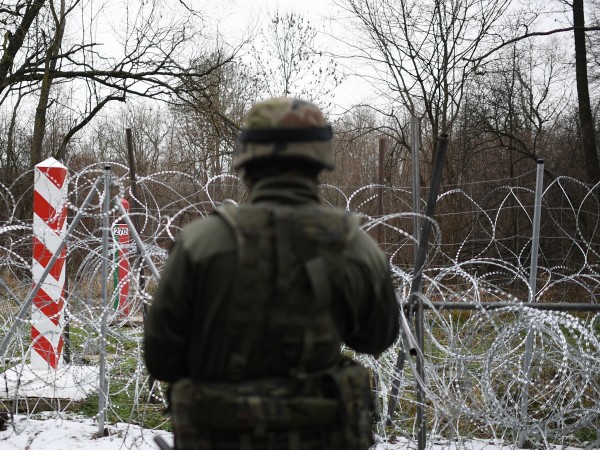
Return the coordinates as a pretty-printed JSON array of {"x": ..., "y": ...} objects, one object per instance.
[
  {"x": 280, "y": 319},
  {"x": 285, "y": 372}
]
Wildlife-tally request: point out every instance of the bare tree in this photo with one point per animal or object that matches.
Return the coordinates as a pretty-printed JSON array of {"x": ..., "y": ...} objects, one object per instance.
[
  {"x": 52, "y": 49},
  {"x": 582, "y": 56},
  {"x": 593, "y": 41},
  {"x": 208, "y": 123},
  {"x": 151, "y": 124},
  {"x": 291, "y": 61},
  {"x": 355, "y": 150},
  {"x": 421, "y": 50},
  {"x": 14, "y": 140},
  {"x": 586, "y": 118},
  {"x": 147, "y": 53},
  {"x": 518, "y": 105}
]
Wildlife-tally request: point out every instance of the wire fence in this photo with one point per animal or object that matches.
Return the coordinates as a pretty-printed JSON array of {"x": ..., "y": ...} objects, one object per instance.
[{"x": 477, "y": 382}]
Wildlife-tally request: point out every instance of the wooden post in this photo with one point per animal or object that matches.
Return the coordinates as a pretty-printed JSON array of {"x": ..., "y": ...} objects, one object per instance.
[
  {"x": 381, "y": 181},
  {"x": 136, "y": 224}
]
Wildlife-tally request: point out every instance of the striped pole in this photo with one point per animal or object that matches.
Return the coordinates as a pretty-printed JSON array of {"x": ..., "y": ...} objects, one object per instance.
[
  {"x": 49, "y": 227},
  {"x": 121, "y": 237}
]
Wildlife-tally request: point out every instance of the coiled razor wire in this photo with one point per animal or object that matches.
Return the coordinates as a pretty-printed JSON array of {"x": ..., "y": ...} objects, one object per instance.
[{"x": 474, "y": 360}]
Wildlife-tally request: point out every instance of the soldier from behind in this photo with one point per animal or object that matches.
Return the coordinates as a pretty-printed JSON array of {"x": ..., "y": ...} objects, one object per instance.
[{"x": 255, "y": 302}]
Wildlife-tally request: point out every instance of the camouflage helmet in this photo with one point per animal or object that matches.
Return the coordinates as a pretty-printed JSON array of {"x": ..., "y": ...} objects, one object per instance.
[{"x": 286, "y": 128}]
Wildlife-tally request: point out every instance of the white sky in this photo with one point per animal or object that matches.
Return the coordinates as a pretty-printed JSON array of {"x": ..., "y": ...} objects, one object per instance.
[
  {"x": 245, "y": 9},
  {"x": 237, "y": 16}
]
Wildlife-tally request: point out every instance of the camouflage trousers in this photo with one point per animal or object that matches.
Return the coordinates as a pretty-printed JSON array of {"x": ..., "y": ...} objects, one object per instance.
[
  {"x": 332, "y": 411},
  {"x": 194, "y": 431},
  {"x": 192, "y": 439}
]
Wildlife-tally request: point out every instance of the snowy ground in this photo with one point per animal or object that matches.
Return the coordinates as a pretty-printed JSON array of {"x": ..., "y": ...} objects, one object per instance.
[
  {"x": 74, "y": 433},
  {"x": 65, "y": 431},
  {"x": 78, "y": 434}
]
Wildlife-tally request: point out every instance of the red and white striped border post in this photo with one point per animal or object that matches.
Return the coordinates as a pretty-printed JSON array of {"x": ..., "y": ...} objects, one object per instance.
[
  {"x": 49, "y": 227},
  {"x": 121, "y": 236}
]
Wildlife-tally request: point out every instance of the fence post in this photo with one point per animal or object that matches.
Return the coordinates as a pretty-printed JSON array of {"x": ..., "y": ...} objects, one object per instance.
[
  {"x": 381, "y": 181},
  {"x": 49, "y": 225},
  {"x": 415, "y": 140},
  {"x": 409, "y": 345},
  {"x": 135, "y": 221},
  {"x": 62, "y": 157},
  {"x": 102, "y": 394},
  {"x": 135, "y": 225},
  {"x": 49, "y": 266},
  {"x": 122, "y": 269},
  {"x": 136, "y": 237},
  {"x": 535, "y": 242}
]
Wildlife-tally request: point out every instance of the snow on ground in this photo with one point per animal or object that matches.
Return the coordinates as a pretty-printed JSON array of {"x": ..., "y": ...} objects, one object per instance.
[
  {"x": 75, "y": 433},
  {"x": 66, "y": 382}
]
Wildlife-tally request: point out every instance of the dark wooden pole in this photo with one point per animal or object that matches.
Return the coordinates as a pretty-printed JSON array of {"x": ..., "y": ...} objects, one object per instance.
[
  {"x": 381, "y": 181},
  {"x": 134, "y": 208}
]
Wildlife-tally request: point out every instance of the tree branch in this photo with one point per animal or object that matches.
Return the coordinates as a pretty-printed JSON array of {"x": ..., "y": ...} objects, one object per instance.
[
  {"x": 527, "y": 36},
  {"x": 16, "y": 41},
  {"x": 90, "y": 116}
]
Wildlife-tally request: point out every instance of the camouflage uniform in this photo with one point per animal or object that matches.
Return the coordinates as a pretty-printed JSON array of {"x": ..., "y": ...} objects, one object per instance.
[{"x": 255, "y": 301}]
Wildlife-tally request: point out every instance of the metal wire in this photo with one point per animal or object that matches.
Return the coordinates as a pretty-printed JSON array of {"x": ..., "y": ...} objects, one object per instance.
[{"x": 475, "y": 284}]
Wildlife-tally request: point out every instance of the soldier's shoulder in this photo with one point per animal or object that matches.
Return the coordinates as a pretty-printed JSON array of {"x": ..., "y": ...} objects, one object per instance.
[
  {"x": 363, "y": 247},
  {"x": 206, "y": 237}
]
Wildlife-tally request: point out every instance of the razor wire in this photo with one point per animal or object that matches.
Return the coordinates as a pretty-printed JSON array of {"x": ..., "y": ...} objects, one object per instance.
[{"x": 474, "y": 360}]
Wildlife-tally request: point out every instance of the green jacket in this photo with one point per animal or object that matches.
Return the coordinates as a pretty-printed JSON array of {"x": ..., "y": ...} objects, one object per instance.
[{"x": 185, "y": 327}]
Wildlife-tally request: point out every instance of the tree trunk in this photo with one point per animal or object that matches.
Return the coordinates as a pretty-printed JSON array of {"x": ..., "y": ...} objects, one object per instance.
[
  {"x": 39, "y": 127},
  {"x": 15, "y": 41},
  {"x": 588, "y": 137}
]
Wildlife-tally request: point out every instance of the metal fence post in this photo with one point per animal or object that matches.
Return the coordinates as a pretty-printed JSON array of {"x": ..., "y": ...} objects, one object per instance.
[
  {"x": 102, "y": 389},
  {"x": 415, "y": 305},
  {"x": 409, "y": 343},
  {"x": 535, "y": 245}
]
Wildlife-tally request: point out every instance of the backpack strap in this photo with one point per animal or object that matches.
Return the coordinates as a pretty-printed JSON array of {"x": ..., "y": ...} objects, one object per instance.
[
  {"x": 249, "y": 303},
  {"x": 318, "y": 276}
]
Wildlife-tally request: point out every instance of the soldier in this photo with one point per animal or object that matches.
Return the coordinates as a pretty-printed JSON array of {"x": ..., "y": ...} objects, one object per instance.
[{"x": 255, "y": 301}]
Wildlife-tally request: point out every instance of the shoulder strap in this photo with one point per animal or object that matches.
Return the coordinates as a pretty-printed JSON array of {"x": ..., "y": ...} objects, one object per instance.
[
  {"x": 291, "y": 238},
  {"x": 251, "y": 228}
]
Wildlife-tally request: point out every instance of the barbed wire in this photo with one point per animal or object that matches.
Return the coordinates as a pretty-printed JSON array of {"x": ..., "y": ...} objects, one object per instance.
[{"x": 475, "y": 361}]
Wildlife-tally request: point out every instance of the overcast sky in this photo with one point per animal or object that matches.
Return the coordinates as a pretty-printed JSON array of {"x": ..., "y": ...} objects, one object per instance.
[{"x": 236, "y": 17}]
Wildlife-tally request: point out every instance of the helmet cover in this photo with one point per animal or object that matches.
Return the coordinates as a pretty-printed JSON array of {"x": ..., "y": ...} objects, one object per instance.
[{"x": 286, "y": 128}]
